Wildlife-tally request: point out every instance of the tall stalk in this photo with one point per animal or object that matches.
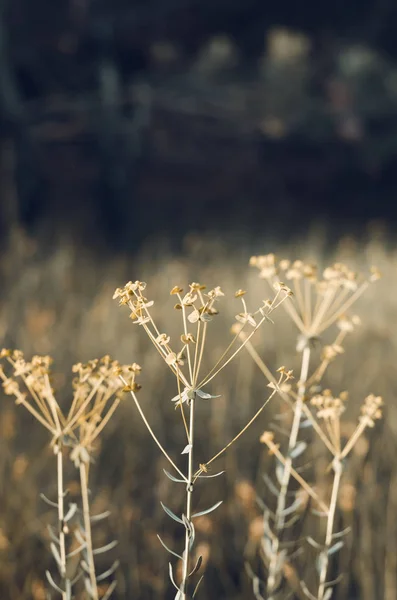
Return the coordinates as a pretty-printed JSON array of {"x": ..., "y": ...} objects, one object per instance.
[
  {"x": 189, "y": 497},
  {"x": 281, "y": 500},
  {"x": 324, "y": 556},
  {"x": 61, "y": 521}
]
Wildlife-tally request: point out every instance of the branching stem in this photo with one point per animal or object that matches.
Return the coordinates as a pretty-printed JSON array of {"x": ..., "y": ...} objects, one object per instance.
[{"x": 281, "y": 501}]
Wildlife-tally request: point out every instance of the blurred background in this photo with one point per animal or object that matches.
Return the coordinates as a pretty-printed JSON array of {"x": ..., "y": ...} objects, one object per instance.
[
  {"x": 168, "y": 140},
  {"x": 122, "y": 119}
]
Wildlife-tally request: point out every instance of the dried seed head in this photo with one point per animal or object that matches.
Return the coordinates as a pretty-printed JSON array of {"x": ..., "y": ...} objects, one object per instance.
[
  {"x": 215, "y": 293},
  {"x": 281, "y": 287},
  {"x": 163, "y": 339},
  {"x": 266, "y": 437},
  {"x": 265, "y": 264},
  {"x": 188, "y": 339},
  {"x": 246, "y": 318},
  {"x": 176, "y": 290},
  {"x": 371, "y": 410},
  {"x": 327, "y": 406},
  {"x": 197, "y": 286}
]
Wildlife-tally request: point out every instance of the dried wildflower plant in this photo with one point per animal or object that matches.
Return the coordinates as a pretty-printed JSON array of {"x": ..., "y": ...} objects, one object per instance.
[
  {"x": 97, "y": 391},
  {"x": 184, "y": 357},
  {"x": 326, "y": 420},
  {"x": 320, "y": 303}
]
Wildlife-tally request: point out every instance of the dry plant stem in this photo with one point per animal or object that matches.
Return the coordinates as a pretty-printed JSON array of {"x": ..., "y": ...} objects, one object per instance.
[
  {"x": 186, "y": 332},
  {"x": 22, "y": 400},
  {"x": 87, "y": 529},
  {"x": 259, "y": 362},
  {"x": 240, "y": 433},
  {"x": 274, "y": 450},
  {"x": 181, "y": 405},
  {"x": 61, "y": 517},
  {"x": 321, "y": 369},
  {"x": 319, "y": 316},
  {"x": 318, "y": 429},
  {"x": 342, "y": 309},
  {"x": 72, "y": 421},
  {"x": 144, "y": 419},
  {"x": 189, "y": 494},
  {"x": 215, "y": 370},
  {"x": 281, "y": 500},
  {"x": 352, "y": 441},
  {"x": 338, "y": 468}
]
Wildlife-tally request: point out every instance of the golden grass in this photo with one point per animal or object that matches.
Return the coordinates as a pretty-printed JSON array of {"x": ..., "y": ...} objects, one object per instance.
[{"x": 60, "y": 304}]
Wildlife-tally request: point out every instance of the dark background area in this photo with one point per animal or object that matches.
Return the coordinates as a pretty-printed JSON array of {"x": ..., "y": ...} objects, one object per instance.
[{"x": 121, "y": 120}]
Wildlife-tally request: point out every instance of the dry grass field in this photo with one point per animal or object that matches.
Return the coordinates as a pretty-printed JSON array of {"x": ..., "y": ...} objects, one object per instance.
[{"x": 60, "y": 303}]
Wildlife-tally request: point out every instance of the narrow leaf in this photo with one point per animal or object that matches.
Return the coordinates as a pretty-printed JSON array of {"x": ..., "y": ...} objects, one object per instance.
[
  {"x": 265, "y": 508},
  {"x": 205, "y": 395},
  {"x": 336, "y": 547},
  {"x": 335, "y": 581},
  {"x": 168, "y": 549},
  {"x": 281, "y": 558},
  {"x": 305, "y": 424},
  {"x": 342, "y": 533},
  {"x": 306, "y": 591},
  {"x": 76, "y": 551},
  {"x": 56, "y": 555},
  {"x": 169, "y": 512},
  {"x": 206, "y": 512},
  {"x": 103, "y": 549},
  {"x": 110, "y": 590},
  {"x": 313, "y": 543},
  {"x": 291, "y": 509},
  {"x": 171, "y": 574},
  {"x": 291, "y": 521},
  {"x": 319, "y": 513},
  {"x": 88, "y": 587},
  {"x": 197, "y": 586},
  {"x": 52, "y": 582},
  {"x": 84, "y": 565},
  {"x": 71, "y": 512},
  {"x": 78, "y": 576},
  {"x": 328, "y": 594},
  {"x": 280, "y": 473},
  {"x": 110, "y": 571},
  {"x": 267, "y": 547},
  {"x": 190, "y": 529},
  {"x": 96, "y": 518},
  {"x": 196, "y": 566},
  {"x": 274, "y": 490},
  {"x": 52, "y": 534},
  {"x": 48, "y": 501},
  {"x": 79, "y": 537},
  {"x": 298, "y": 450},
  {"x": 173, "y": 478},
  {"x": 211, "y": 476}
]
